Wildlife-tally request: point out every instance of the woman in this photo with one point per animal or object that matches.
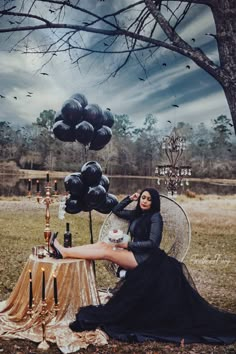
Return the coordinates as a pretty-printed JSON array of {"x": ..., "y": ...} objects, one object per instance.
[
  {"x": 145, "y": 229},
  {"x": 156, "y": 300}
]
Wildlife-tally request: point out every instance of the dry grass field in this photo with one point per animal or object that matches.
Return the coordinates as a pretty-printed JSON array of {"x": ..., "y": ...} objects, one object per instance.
[{"x": 211, "y": 260}]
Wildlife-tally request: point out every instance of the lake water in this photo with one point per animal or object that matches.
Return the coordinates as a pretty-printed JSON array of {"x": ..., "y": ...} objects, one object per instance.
[{"x": 12, "y": 186}]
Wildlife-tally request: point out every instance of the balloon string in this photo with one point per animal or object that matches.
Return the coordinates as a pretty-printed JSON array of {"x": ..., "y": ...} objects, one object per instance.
[
  {"x": 91, "y": 237},
  {"x": 85, "y": 152}
]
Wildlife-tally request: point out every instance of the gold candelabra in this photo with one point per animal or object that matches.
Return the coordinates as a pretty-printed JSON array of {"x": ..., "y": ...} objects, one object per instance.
[
  {"x": 44, "y": 313},
  {"x": 47, "y": 200}
]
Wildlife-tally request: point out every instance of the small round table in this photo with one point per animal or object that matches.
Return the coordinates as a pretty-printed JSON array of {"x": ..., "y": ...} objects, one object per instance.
[{"x": 76, "y": 287}]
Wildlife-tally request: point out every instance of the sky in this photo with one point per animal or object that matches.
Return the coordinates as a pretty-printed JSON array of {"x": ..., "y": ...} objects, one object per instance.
[{"x": 199, "y": 97}]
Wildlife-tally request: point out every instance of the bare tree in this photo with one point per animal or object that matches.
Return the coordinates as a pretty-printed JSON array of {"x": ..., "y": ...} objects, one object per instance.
[{"x": 134, "y": 27}]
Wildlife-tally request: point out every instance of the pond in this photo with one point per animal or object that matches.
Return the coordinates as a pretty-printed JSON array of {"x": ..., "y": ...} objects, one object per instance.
[{"x": 13, "y": 186}]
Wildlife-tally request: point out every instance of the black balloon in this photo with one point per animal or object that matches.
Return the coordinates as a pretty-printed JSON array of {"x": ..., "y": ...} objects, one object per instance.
[
  {"x": 109, "y": 203},
  {"x": 74, "y": 185},
  {"x": 91, "y": 173},
  {"x": 72, "y": 112},
  {"x": 63, "y": 131},
  {"x": 94, "y": 115},
  {"x": 101, "y": 138},
  {"x": 95, "y": 196},
  {"x": 96, "y": 147},
  {"x": 84, "y": 132},
  {"x": 105, "y": 182},
  {"x": 58, "y": 116},
  {"x": 80, "y": 98},
  {"x": 108, "y": 118},
  {"x": 72, "y": 206},
  {"x": 84, "y": 205}
]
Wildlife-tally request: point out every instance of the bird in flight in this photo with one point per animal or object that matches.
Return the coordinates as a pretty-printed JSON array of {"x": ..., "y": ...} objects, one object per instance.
[
  {"x": 169, "y": 121},
  {"x": 164, "y": 64},
  {"x": 30, "y": 93},
  {"x": 175, "y": 105},
  {"x": 28, "y": 96},
  {"x": 2, "y": 96},
  {"x": 44, "y": 73},
  {"x": 188, "y": 66},
  {"x": 140, "y": 78},
  {"x": 210, "y": 34},
  {"x": 15, "y": 97}
]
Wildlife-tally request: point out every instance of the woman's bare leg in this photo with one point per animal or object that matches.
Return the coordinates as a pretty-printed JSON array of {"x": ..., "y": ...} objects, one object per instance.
[{"x": 99, "y": 251}]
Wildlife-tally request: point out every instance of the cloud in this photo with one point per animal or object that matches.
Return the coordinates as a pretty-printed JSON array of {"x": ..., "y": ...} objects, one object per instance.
[
  {"x": 203, "y": 109},
  {"x": 199, "y": 95}
]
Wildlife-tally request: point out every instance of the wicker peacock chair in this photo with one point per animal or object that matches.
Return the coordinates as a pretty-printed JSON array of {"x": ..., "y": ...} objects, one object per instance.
[{"x": 176, "y": 232}]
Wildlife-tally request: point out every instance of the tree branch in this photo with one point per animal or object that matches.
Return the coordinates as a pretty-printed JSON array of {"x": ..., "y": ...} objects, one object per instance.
[
  {"x": 88, "y": 50},
  {"x": 99, "y": 18},
  {"x": 25, "y": 15},
  {"x": 177, "y": 45}
]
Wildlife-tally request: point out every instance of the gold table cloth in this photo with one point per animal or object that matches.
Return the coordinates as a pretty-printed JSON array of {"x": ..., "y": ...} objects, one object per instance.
[{"x": 76, "y": 288}]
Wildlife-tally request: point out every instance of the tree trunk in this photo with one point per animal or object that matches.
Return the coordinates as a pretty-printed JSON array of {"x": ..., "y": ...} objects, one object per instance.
[
  {"x": 224, "y": 13},
  {"x": 230, "y": 93}
]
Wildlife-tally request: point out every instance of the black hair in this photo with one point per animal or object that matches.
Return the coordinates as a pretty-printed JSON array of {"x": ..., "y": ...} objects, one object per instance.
[{"x": 155, "y": 201}]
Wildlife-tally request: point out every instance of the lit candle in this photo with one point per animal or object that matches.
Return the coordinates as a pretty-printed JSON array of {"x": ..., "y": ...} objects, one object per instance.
[
  {"x": 55, "y": 289},
  {"x": 37, "y": 185},
  {"x": 43, "y": 284},
  {"x": 29, "y": 184},
  {"x": 55, "y": 185},
  {"x": 30, "y": 290},
  {"x": 47, "y": 177}
]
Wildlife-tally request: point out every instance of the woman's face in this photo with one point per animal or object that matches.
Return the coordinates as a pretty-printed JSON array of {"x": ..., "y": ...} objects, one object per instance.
[{"x": 145, "y": 201}]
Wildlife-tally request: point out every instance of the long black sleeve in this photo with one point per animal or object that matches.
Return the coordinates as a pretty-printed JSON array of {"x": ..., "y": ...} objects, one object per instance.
[
  {"x": 119, "y": 211},
  {"x": 155, "y": 236}
]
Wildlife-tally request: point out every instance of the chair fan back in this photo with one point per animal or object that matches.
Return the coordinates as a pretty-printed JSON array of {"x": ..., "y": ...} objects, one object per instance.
[{"x": 176, "y": 229}]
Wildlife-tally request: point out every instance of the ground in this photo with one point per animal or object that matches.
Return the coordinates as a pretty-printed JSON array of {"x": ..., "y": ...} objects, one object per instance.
[{"x": 211, "y": 260}]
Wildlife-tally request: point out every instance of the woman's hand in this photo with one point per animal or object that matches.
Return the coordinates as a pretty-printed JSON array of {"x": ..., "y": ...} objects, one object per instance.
[
  {"x": 122, "y": 245},
  {"x": 135, "y": 196}
]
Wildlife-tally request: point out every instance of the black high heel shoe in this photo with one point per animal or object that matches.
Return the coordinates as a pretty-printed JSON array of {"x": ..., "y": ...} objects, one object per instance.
[{"x": 56, "y": 253}]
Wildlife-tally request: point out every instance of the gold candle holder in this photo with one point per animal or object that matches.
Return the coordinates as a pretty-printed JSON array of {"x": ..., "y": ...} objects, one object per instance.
[
  {"x": 47, "y": 200},
  {"x": 30, "y": 310},
  {"x": 44, "y": 314}
]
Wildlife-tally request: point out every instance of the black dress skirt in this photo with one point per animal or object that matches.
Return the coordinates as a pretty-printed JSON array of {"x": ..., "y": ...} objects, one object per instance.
[{"x": 157, "y": 302}]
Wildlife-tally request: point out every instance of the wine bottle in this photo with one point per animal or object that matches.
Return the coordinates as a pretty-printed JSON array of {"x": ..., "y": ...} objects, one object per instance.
[{"x": 67, "y": 237}]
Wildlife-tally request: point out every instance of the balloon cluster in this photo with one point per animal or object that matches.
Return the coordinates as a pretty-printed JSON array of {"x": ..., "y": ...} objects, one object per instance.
[
  {"x": 83, "y": 122},
  {"x": 88, "y": 190}
]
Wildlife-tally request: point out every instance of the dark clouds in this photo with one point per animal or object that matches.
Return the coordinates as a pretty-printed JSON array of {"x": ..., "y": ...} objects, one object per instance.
[{"x": 161, "y": 86}]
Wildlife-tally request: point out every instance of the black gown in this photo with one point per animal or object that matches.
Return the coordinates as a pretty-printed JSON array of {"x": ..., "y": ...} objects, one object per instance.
[{"x": 157, "y": 302}]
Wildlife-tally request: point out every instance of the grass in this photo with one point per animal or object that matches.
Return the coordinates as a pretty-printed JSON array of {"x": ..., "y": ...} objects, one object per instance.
[{"x": 211, "y": 259}]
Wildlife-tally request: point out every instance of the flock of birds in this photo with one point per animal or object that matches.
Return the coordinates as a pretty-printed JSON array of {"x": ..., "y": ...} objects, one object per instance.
[{"x": 29, "y": 94}]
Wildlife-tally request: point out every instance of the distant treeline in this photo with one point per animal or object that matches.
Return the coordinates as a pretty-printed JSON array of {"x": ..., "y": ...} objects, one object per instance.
[{"x": 211, "y": 152}]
